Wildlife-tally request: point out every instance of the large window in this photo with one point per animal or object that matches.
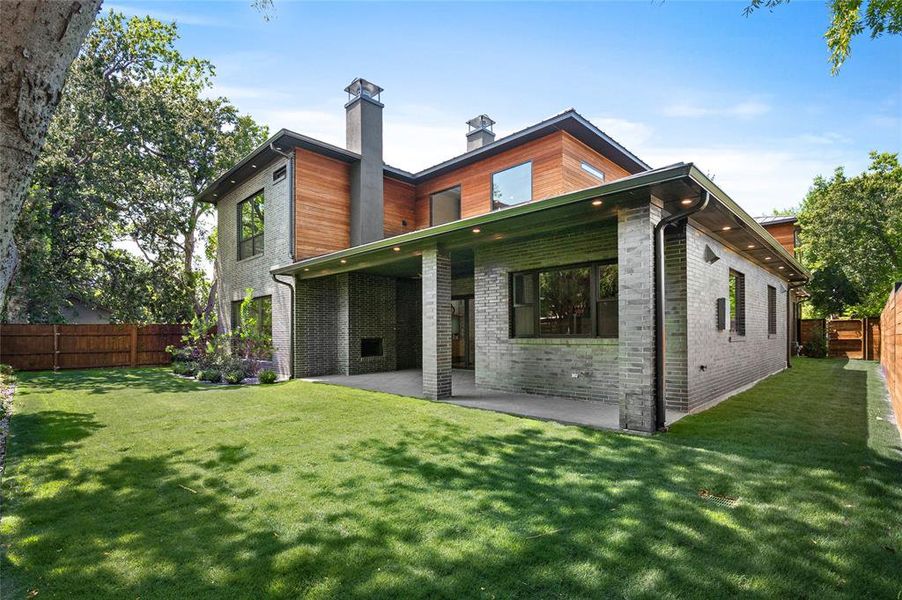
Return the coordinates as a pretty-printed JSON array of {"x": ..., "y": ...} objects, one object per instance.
[
  {"x": 512, "y": 186},
  {"x": 771, "y": 310},
  {"x": 260, "y": 312},
  {"x": 737, "y": 303},
  {"x": 572, "y": 301},
  {"x": 444, "y": 206},
  {"x": 250, "y": 226}
]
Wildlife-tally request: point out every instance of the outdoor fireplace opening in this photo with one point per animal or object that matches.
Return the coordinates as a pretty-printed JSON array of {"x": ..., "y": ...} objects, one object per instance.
[{"x": 371, "y": 347}]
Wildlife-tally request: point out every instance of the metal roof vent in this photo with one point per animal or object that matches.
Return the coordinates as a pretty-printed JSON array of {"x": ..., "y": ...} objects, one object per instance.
[
  {"x": 361, "y": 88},
  {"x": 479, "y": 132}
]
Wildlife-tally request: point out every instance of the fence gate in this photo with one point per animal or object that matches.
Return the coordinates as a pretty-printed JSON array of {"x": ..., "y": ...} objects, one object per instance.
[{"x": 856, "y": 339}]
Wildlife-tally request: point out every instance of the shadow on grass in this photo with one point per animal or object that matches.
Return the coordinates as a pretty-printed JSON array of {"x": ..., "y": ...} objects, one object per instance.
[
  {"x": 447, "y": 511},
  {"x": 107, "y": 381}
]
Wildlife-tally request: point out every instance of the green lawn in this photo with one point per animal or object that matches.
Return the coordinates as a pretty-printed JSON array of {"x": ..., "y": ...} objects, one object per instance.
[{"x": 132, "y": 483}]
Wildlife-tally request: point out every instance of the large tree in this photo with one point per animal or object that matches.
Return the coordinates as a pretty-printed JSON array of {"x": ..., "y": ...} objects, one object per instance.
[
  {"x": 848, "y": 19},
  {"x": 135, "y": 138},
  {"x": 852, "y": 237}
]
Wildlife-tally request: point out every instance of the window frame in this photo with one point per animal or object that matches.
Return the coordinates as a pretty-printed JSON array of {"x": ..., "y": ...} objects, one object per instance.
[
  {"x": 459, "y": 203},
  {"x": 737, "y": 325},
  {"x": 592, "y": 170},
  {"x": 771, "y": 310},
  {"x": 492, "y": 185},
  {"x": 594, "y": 266},
  {"x": 257, "y": 302},
  {"x": 257, "y": 236}
]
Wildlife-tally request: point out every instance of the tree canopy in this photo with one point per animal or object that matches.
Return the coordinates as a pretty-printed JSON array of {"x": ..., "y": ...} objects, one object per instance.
[
  {"x": 848, "y": 19},
  {"x": 111, "y": 217},
  {"x": 852, "y": 237}
]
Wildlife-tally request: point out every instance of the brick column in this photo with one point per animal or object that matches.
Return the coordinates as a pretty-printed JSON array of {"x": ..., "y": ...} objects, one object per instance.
[
  {"x": 635, "y": 256},
  {"x": 436, "y": 323}
]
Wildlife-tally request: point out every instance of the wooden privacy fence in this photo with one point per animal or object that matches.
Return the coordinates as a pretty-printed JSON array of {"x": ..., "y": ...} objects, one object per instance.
[
  {"x": 38, "y": 347},
  {"x": 857, "y": 339},
  {"x": 891, "y": 348}
]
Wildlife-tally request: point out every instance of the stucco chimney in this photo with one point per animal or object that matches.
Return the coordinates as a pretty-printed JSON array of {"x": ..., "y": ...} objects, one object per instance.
[
  {"x": 364, "y": 136},
  {"x": 479, "y": 132}
]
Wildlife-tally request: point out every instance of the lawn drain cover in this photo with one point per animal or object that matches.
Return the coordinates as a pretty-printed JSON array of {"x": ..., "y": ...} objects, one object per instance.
[{"x": 718, "y": 499}]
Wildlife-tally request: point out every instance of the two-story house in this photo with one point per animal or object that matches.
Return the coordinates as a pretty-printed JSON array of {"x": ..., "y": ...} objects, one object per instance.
[{"x": 551, "y": 261}]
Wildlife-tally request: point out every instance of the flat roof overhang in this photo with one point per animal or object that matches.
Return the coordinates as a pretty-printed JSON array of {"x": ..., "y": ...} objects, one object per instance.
[{"x": 722, "y": 219}]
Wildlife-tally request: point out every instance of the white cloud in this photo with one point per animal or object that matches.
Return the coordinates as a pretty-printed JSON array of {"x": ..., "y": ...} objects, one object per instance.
[
  {"x": 169, "y": 16},
  {"x": 627, "y": 133},
  {"x": 761, "y": 177},
  {"x": 743, "y": 110}
]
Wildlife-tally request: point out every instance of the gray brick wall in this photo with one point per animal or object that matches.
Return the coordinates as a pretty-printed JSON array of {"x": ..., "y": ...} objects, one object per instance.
[
  {"x": 236, "y": 276},
  {"x": 676, "y": 381},
  {"x": 316, "y": 327},
  {"x": 410, "y": 323},
  {"x": 371, "y": 314},
  {"x": 436, "y": 323},
  {"x": 635, "y": 228},
  {"x": 540, "y": 365},
  {"x": 719, "y": 362}
]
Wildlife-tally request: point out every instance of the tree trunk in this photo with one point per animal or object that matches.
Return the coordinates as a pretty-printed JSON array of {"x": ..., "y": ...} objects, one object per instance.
[{"x": 40, "y": 40}]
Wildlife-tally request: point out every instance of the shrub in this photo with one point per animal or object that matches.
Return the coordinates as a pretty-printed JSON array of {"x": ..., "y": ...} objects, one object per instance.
[
  {"x": 267, "y": 376},
  {"x": 179, "y": 368},
  {"x": 189, "y": 369},
  {"x": 211, "y": 375},
  {"x": 815, "y": 347},
  {"x": 234, "y": 376}
]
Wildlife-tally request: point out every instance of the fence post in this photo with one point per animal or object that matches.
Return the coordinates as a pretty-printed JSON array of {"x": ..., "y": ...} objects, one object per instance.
[
  {"x": 134, "y": 345},
  {"x": 56, "y": 347}
]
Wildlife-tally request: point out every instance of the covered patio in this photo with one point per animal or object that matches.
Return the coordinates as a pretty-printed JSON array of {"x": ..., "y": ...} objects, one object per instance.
[{"x": 409, "y": 382}]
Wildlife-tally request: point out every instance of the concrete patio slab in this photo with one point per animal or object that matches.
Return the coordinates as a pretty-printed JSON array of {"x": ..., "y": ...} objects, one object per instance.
[{"x": 466, "y": 393}]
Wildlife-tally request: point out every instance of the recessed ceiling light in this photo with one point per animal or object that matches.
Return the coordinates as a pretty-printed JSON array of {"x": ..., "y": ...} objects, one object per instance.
[
  {"x": 476, "y": 230},
  {"x": 253, "y": 166},
  {"x": 397, "y": 248},
  {"x": 750, "y": 246},
  {"x": 766, "y": 258},
  {"x": 344, "y": 262},
  {"x": 781, "y": 267},
  {"x": 216, "y": 195},
  {"x": 596, "y": 202},
  {"x": 726, "y": 228},
  {"x": 232, "y": 180},
  {"x": 306, "y": 268}
]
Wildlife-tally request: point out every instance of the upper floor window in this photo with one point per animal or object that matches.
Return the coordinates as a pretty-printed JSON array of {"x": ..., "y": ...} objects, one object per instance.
[
  {"x": 444, "y": 206},
  {"x": 575, "y": 301},
  {"x": 597, "y": 174},
  {"x": 250, "y": 226},
  {"x": 737, "y": 302},
  {"x": 512, "y": 186}
]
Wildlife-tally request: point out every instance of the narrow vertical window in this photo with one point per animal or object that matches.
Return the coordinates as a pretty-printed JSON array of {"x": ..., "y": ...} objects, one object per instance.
[
  {"x": 250, "y": 226},
  {"x": 771, "y": 310},
  {"x": 737, "y": 303}
]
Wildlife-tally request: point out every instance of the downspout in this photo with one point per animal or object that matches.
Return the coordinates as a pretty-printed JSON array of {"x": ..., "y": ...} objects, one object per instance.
[
  {"x": 290, "y": 325},
  {"x": 291, "y": 247},
  {"x": 660, "y": 363}
]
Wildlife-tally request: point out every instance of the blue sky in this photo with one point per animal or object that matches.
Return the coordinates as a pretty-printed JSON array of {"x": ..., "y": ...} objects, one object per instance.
[{"x": 749, "y": 100}]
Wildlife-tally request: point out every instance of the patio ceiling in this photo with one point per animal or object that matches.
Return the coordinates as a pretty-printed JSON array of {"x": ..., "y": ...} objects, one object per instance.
[{"x": 678, "y": 186}]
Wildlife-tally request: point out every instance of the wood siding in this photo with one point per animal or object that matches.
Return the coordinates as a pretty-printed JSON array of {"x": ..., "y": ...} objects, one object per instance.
[
  {"x": 574, "y": 177},
  {"x": 891, "y": 349},
  {"x": 322, "y": 194},
  {"x": 322, "y": 204},
  {"x": 399, "y": 199},
  {"x": 785, "y": 234}
]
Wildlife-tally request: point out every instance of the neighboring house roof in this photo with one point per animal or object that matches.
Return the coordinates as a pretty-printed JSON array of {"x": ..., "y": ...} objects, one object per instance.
[
  {"x": 569, "y": 120},
  {"x": 675, "y": 182},
  {"x": 774, "y": 220}
]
